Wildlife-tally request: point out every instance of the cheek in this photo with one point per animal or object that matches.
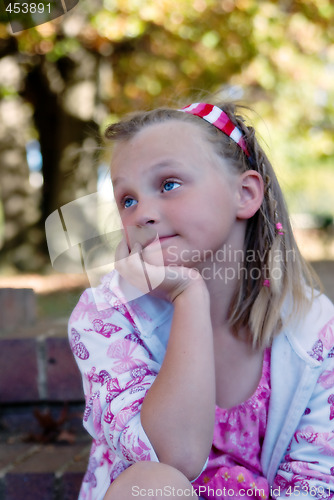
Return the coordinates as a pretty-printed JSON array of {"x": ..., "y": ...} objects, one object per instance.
[{"x": 212, "y": 225}]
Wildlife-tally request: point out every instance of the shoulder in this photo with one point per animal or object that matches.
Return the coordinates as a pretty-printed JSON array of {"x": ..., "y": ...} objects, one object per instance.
[
  {"x": 311, "y": 334},
  {"x": 95, "y": 303},
  {"x": 114, "y": 297}
]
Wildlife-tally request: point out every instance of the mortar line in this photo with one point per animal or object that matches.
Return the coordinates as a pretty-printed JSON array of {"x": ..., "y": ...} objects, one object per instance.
[
  {"x": 41, "y": 369},
  {"x": 26, "y": 454}
]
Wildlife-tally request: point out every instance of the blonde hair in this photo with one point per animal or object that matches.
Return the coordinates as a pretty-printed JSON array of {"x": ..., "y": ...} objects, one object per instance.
[{"x": 256, "y": 307}]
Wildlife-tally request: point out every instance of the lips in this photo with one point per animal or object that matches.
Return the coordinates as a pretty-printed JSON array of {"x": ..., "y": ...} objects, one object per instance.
[{"x": 161, "y": 239}]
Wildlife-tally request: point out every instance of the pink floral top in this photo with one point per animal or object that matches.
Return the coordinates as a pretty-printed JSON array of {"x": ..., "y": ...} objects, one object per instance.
[
  {"x": 234, "y": 461},
  {"x": 119, "y": 345}
]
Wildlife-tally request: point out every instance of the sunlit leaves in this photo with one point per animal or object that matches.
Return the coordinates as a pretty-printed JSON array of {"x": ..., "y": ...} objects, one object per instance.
[{"x": 280, "y": 53}]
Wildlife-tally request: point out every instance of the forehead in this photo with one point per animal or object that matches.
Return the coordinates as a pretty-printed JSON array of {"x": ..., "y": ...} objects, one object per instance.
[{"x": 173, "y": 139}]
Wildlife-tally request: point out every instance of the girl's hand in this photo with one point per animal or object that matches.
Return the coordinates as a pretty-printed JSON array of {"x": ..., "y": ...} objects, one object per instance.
[{"x": 145, "y": 270}]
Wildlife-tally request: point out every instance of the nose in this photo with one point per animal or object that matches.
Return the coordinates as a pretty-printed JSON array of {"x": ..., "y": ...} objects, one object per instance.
[{"x": 146, "y": 213}]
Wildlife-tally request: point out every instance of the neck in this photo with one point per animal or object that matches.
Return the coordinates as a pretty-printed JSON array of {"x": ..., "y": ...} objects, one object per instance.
[{"x": 222, "y": 273}]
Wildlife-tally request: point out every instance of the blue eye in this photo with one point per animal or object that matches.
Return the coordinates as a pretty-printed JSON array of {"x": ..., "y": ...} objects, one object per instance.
[
  {"x": 127, "y": 203},
  {"x": 170, "y": 185}
]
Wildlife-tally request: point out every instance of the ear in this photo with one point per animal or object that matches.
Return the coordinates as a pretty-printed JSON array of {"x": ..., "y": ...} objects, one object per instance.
[{"x": 250, "y": 191}]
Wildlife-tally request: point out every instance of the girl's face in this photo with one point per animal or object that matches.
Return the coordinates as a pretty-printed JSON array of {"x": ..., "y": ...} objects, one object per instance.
[{"x": 168, "y": 181}]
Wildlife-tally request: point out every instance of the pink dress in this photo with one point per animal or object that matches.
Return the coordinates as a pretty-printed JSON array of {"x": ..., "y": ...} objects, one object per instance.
[{"x": 234, "y": 468}]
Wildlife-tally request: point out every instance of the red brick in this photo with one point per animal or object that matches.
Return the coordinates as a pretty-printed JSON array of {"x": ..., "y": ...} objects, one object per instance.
[
  {"x": 49, "y": 459},
  {"x": 64, "y": 381},
  {"x": 71, "y": 484},
  {"x": 10, "y": 453},
  {"x": 19, "y": 371},
  {"x": 29, "y": 486},
  {"x": 42, "y": 472},
  {"x": 80, "y": 460},
  {"x": 43, "y": 328},
  {"x": 72, "y": 478}
]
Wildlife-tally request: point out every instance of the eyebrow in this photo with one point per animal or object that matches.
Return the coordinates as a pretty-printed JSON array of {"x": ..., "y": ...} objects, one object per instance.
[{"x": 163, "y": 164}]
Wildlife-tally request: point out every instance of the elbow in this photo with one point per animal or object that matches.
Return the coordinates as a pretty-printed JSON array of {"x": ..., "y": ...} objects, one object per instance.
[
  {"x": 195, "y": 456},
  {"x": 192, "y": 468},
  {"x": 190, "y": 463}
]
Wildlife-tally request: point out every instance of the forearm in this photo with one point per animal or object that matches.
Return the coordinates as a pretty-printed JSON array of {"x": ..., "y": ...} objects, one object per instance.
[{"x": 178, "y": 411}]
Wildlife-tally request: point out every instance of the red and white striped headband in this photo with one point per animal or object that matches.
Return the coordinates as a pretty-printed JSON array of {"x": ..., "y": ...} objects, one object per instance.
[{"x": 219, "y": 119}]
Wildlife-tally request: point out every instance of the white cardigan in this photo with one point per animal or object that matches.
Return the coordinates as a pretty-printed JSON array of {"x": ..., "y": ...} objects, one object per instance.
[{"x": 301, "y": 410}]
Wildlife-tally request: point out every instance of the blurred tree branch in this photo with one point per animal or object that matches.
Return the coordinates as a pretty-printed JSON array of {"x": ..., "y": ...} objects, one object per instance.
[{"x": 63, "y": 81}]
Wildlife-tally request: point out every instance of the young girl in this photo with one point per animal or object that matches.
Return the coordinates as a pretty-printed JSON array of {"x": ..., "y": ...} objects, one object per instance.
[{"x": 207, "y": 356}]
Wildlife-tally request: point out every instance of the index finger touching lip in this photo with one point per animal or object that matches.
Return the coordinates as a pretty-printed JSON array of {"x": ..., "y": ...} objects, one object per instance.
[{"x": 141, "y": 235}]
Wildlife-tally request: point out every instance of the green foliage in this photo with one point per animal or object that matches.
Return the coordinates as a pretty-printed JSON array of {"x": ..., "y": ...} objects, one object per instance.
[
  {"x": 2, "y": 225},
  {"x": 279, "y": 56},
  {"x": 57, "y": 304}
]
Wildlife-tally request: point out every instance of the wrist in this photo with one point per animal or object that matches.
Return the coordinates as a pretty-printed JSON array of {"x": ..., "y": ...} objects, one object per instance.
[{"x": 195, "y": 289}]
